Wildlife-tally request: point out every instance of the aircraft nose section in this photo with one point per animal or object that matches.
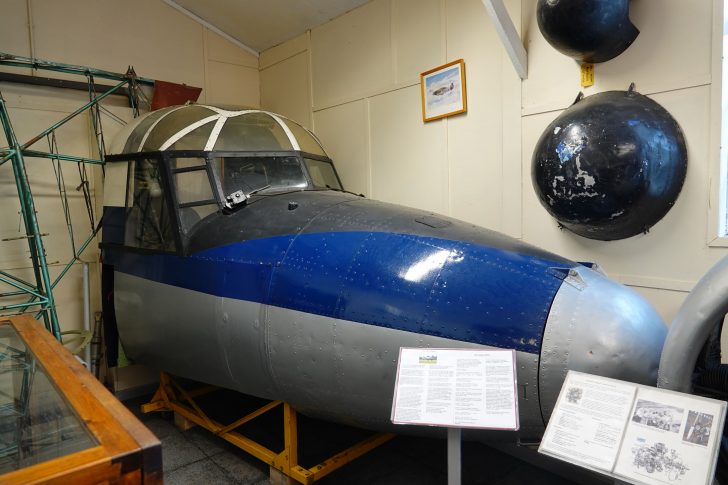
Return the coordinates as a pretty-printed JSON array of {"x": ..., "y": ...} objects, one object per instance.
[{"x": 600, "y": 327}]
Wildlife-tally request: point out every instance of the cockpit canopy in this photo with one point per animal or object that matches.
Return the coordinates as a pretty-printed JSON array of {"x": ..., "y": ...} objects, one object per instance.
[
  {"x": 208, "y": 128},
  {"x": 173, "y": 168}
]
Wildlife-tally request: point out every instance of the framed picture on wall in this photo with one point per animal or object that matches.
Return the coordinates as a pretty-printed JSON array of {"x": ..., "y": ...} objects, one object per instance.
[{"x": 443, "y": 91}]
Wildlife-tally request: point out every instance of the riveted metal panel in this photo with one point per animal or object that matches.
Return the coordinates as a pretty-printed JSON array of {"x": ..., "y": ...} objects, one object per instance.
[
  {"x": 328, "y": 368},
  {"x": 599, "y": 327},
  {"x": 345, "y": 371}
]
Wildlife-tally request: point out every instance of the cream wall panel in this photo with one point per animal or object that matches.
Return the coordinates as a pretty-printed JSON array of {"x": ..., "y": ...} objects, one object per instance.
[
  {"x": 231, "y": 85},
  {"x": 673, "y": 254},
  {"x": 61, "y": 101},
  {"x": 283, "y": 51},
  {"x": 68, "y": 293},
  {"x": 344, "y": 133},
  {"x": 97, "y": 33},
  {"x": 477, "y": 166},
  {"x": 417, "y": 38},
  {"x": 285, "y": 88},
  {"x": 409, "y": 159},
  {"x": 161, "y": 44},
  {"x": 511, "y": 109},
  {"x": 352, "y": 55},
  {"x": 222, "y": 50},
  {"x": 12, "y": 253},
  {"x": 32, "y": 110},
  {"x": 670, "y": 59},
  {"x": 29, "y": 119},
  {"x": 672, "y": 51},
  {"x": 474, "y": 140},
  {"x": 71, "y": 138},
  {"x": 553, "y": 78},
  {"x": 666, "y": 302},
  {"x": 111, "y": 129},
  {"x": 14, "y": 36}
]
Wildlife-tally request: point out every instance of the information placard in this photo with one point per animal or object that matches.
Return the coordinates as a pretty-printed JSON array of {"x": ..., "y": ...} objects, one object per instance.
[
  {"x": 461, "y": 388},
  {"x": 635, "y": 433}
]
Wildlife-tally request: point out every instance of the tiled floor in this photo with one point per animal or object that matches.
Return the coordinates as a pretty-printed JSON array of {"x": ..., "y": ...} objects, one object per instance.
[{"x": 196, "y": 456}]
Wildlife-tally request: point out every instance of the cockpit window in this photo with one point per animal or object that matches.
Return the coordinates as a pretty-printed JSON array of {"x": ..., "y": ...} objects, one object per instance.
[
  {"x": 259, "y": 131},
  {"x": 148, "y": 221},
  {"x": 258, "y": 174},
  {"x": 323, "y": 174},
  {"x": 194, "y": 192},
  {"x": 306, "y": 141}
]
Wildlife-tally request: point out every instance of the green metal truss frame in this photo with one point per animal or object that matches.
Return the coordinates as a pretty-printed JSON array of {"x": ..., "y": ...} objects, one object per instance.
[{"x": 40, "y": 292}]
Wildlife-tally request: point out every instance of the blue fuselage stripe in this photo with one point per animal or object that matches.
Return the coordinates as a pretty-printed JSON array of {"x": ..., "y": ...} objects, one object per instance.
[{"x": 427, "y": 285}]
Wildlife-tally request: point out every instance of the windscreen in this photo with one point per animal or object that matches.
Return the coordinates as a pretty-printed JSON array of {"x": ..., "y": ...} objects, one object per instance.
[
  {"x": 258, "y": 174},
  {"x": 322, "y": 174},
  {"x": 195, "y": 197}
]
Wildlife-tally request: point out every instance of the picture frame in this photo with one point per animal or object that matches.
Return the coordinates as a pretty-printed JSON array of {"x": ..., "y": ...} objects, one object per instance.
[{"x": 443, "y": 91}]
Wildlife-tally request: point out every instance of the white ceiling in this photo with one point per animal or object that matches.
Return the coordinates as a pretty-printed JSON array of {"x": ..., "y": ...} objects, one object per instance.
[{"x": 262, "y": 24}]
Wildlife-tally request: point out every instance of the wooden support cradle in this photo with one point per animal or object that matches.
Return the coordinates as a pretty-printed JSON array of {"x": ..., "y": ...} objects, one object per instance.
[{"x": 170, "y": 396}]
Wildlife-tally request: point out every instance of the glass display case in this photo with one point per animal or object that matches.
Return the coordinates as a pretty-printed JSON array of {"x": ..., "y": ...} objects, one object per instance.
[{"x": 58, "y": 422}]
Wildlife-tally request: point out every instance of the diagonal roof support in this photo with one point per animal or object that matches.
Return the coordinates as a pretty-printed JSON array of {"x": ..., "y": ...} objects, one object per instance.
[
  {"x": 207, "y": 24},
  {"x": 508, "y": 35}
]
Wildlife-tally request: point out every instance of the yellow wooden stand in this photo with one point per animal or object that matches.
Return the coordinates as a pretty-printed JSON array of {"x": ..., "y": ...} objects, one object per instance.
[{"x": 170, "y": 396}]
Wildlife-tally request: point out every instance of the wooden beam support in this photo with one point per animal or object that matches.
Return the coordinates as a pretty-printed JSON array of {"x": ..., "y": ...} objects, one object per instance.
[
  {"x": 508, "y": 35},
  {"x": 208, "y": 25},
  {"x": 284, "y": 467}
]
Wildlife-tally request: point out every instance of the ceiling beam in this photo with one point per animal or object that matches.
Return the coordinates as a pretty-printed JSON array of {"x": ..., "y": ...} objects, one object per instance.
[
  {"x": 207, "y": 24},
  {"x": 508, "y": 35}
]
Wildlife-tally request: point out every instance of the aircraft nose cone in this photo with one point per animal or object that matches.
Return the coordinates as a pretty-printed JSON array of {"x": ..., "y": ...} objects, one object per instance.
[{"x": 599, "y": 327}]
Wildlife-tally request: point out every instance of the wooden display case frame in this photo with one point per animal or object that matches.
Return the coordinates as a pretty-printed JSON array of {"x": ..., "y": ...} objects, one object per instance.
[{"x": 127, "y": 451}]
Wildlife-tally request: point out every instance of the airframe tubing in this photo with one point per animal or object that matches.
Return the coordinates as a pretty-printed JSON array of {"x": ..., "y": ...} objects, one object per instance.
[
  {"x": 167, "y": 398},
  {"x": 705, "y": 306},
  {"x": 23, "y": 288},
  {"x": 68, "y": 265},
  {"x": 68, "y": 118},
  {"x": 58, "y": 156},
  {"x": 16, "y": 279},
  {"x": 7, "y": 156},
  {"x": 25, "y": 305},
  {"x": 32, "y": 63},
  {"x": 35, "y": 241},
  {"x": 15, "y": 153}
]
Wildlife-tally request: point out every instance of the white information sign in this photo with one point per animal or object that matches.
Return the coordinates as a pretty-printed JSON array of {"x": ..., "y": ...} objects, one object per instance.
[
  {"x": 635, "y": 433},
  {"x": 461, "y": 388}
]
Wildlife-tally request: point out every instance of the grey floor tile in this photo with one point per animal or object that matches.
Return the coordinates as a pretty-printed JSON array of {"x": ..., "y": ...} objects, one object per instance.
[
  {"x": 206, "y": 441},
  {"x": 202, "y": 472},
  {"x": 197, "y": 456},
  {"x": 390, "y": 472},
  {"x": 161, "y": 427},
  {"x": 530, "y": 475},
  {"x": 240, "y": 468},
  {"x": 177, "y": 452}
]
